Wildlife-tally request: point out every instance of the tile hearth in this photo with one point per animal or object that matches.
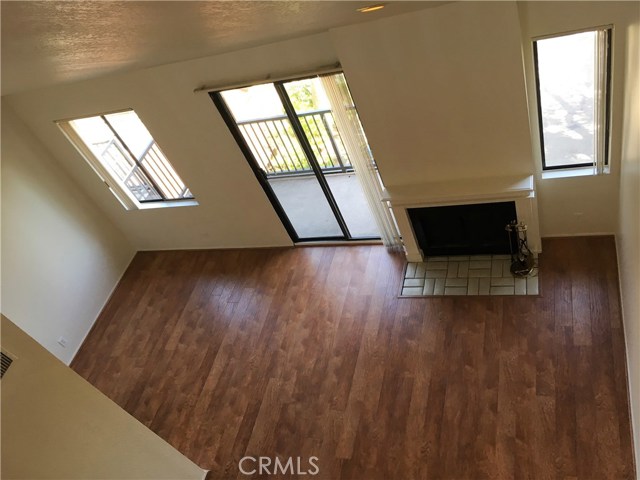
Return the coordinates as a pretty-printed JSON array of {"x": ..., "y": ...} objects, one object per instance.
[{"x": 465, "y": 275}]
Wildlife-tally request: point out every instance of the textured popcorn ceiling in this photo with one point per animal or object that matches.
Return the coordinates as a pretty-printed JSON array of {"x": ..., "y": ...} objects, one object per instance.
[{"x": 51, "y": 42}]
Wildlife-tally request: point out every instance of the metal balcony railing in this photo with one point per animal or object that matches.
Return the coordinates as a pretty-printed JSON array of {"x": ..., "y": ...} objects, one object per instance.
[
  {"x": 278, "y": 151},
  {"x": 150, "y": 177}
]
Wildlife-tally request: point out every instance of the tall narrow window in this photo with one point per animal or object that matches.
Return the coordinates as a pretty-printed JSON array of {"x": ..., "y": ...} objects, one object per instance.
[
  {"x": 573, "y": 75},
  {"x": 126, "y": 157}
]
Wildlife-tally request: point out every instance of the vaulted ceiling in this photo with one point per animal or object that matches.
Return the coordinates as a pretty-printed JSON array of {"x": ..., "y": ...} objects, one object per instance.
[{"x": 49, "y": 42}]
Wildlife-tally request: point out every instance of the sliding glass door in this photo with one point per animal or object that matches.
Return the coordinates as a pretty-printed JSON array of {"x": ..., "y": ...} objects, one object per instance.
[
  {"x": 313, "y": 108},
  {"x": 290, "y": 137}
]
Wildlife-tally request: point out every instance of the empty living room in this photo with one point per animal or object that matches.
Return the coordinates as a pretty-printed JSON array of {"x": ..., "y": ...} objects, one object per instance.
[{"x": 336, "y": 240}]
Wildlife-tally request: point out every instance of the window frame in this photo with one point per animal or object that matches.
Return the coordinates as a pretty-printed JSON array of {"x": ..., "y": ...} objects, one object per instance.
[
  {"x": 117, "y": 187},
  {"x": 599, "y": 165}
]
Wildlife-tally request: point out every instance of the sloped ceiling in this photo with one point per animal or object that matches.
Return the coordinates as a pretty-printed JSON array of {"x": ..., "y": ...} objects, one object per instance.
[{"x": 50, "y": 42}]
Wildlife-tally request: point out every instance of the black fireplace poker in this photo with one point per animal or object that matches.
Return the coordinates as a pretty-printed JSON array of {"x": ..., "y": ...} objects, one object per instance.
[{"x": 522, "y": 260}]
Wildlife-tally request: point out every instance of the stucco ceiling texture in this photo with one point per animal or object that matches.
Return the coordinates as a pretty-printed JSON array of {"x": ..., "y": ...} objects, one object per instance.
[{"x": 49, "y": 42}]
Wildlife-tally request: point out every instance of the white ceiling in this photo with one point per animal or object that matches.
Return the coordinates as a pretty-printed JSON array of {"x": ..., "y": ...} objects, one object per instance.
[{"x": 50, "y": 42}]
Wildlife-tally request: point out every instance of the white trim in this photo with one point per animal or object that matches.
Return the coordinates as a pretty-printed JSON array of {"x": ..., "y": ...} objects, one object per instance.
[
  {"x": 570, "y": 172},
  {"x": 580, "y": 234},
  {"x": 187, "y": 202},
  {"x": 83, "y": 117},
  {"x": 601, "y": 89},
  {"x": 271, "y": 78},
  {"x": 572, "y": 32},
  {"x": 626, "y": 358},
  {"x": 454, "y": 192},
  {"x": 229, "y": 247}
]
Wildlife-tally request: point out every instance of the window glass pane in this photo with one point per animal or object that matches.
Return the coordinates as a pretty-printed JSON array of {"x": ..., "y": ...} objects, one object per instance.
[
  {"x": 314, "y": 110},
  {"x": 254, "y": 103},
  {"x": 132, "y": 131},
  {"x": 306, "y": 206},
  {"x": 165, "y": 177},
  {"x": 269, "y": 134},
  {"x": 97, "y": 135},
  {"x": 566, "y": 73},
  {"x": 307, "y": 95},
  {"x": 141, "y": 187},
  {"x": 266, "y": 129}
]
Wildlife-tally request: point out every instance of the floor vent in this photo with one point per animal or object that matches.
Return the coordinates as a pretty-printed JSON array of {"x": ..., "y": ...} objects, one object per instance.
[{"x": 5, "y": 361}]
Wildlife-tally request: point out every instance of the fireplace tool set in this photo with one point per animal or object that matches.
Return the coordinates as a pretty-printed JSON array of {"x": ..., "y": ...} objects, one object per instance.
[{"x": 522, "y": 259}]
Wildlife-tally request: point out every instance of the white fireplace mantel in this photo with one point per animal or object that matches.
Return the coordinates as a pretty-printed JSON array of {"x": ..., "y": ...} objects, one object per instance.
[{"x": 519, "y": 189}]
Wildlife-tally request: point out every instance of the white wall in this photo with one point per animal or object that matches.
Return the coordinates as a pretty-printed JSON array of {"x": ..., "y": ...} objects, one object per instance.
[
  {"x": 233, "y": 210},
  {"x": 441, "y": 92},
  {"x": 589, "y": 204},
  {"x": 55, "y": 425},
  {"x": 61, "y": 257},
  {"x": 628, "y": 238}
]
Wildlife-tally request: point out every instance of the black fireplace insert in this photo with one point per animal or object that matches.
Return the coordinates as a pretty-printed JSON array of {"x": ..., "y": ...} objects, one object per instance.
[{"x": 473, "y": 229}]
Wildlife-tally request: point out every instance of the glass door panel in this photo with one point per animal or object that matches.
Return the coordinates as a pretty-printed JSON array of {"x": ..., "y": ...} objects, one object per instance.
[
  {"x": 313, "y": 109},
  {"x": 269, "y": 135},
  {"x": 350, "y": 198}
]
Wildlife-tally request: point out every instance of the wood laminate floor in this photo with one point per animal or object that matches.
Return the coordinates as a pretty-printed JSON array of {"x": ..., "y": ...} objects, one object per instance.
[{"x": 309, "y": 352}]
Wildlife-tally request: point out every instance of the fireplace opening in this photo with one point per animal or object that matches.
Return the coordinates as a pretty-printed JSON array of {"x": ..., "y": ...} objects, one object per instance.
[{"x": 463, "y": 229}]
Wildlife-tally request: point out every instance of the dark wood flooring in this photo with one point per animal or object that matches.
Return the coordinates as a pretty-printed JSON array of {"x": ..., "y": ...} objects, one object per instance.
[{"x": 309, "y": 352}]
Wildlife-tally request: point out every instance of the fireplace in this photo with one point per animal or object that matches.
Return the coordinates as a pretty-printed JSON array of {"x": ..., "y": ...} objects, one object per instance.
[
  {"x": 463, "y": 229},
  {"x": 466, "y": 216}
]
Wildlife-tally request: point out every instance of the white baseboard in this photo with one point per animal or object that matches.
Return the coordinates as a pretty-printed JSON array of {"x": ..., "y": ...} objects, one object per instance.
[
  {"x": 84, "y": 338},
  {"x": 217, "y": 247},
  {"x": 626, "y": 356},
  {"x": 590, "y": 234}
]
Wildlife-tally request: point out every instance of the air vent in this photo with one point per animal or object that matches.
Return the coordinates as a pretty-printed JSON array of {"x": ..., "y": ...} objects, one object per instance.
[{"x": 5, "y": 360}]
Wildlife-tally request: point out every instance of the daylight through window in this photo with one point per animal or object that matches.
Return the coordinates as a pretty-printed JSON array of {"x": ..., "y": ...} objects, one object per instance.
[
  {"x": 122, "y": 151},
  {"x": 573, "y": 82}
]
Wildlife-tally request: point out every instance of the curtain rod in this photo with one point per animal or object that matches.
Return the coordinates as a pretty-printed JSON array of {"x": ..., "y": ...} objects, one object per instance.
[{"x": 333, "y": 68}]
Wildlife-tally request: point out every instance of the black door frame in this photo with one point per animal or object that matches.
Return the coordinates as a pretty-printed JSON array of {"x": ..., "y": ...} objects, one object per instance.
[{"x": 261, "y": 175}]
